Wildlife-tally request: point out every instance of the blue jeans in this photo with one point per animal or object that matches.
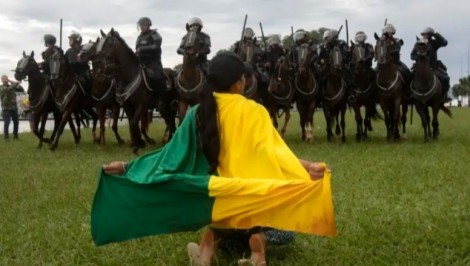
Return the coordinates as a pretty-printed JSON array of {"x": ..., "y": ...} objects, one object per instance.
[{"x": 8, "y": 116}]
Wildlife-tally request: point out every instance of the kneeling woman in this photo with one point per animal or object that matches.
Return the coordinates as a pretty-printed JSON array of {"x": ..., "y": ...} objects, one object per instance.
[{"x": 226, "y": 167}]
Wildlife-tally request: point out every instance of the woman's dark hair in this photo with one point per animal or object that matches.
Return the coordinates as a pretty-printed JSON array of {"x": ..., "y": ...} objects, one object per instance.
[
  {"x": 208, "y": 123},
  {"x": 225, "y": 69}
]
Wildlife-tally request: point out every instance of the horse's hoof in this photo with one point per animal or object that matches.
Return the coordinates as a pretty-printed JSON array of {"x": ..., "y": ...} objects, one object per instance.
[
  {"x": 53, "y": 147},
  {"x": 120, "y": 142},
  {"x": 151, "y": 141},
  {"x": 343, "y": 139},
  {"x": 46, "y": 140},
  {"x": 309, "y": 140},
  {"x": 135, "y": 151}
]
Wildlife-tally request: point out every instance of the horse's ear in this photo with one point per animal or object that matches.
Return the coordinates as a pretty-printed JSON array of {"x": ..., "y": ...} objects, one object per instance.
[
  {"x": 102, "y": 33},
  {"x": 417, "y": 38},
  {"x": 32, "y": 54},
  {"x": 401, "y": 42},
  {"x": 352, "y": 43},
  {"x": 24, "y": 54},
  {"x": 376, "y": 36},
  {"x": 112, "y": 32}
]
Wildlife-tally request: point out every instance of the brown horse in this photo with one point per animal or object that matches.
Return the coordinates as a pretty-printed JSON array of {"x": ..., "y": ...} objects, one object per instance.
[
  {"x": 390, "y": 90},
  {"x": 335, "y": 95},
  {"x": 191, "y": 78},
  {"x": 40, "y": 96},
  {"x": 103, "y": 91},
  {"x": 363, "y": 77},
  {"x": 307, "y": 92},
  {"x": 426, "y": 91},
  {"x": 134, "y": 91},
  {"x": 246, "y": 51},
  {"x": 280, "y": 93}
]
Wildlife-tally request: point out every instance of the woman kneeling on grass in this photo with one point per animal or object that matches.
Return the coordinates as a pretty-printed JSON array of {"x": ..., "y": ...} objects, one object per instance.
[{"x": 226, "y": 167}]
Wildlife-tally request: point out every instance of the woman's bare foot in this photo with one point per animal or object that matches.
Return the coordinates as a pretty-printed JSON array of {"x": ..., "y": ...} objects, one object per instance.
[
  {"x": 201, "y": 255},
  {"x": 258, "y": 248}
]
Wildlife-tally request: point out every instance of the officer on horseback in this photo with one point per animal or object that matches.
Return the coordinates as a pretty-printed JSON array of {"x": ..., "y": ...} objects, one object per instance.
[
  {"x": 300, "y": 39},
  {"x": 388, "y": 33},
  {"x": 360, "y": 41},
  {"x": 435, "y": 41},
  {"x": 81, "y": 69},
  {"x": 273, "y": 53},
  {"x": 331, "y": 42},
  {"x": 148, "y": 48},
  {"x": 195, "y": 25},
  {"x": 257, "y": 57},
  {"x": 52, "y": 57}
]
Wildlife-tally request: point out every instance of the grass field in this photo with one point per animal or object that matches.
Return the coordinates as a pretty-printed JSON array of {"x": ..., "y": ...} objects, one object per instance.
[{"x": 405, "y": 203}]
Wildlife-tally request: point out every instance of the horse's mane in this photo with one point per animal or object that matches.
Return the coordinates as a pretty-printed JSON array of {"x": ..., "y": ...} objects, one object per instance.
[{"x": 128, "y": 49}]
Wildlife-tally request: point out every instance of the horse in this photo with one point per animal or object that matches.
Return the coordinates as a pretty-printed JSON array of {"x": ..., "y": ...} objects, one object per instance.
[
  {"x": 307, "y": 92},
  {"x": 103, "y": 91},
  {"x": 246, "y": 52},
  {"x": 390, "y": 89},
  {"x": 41, "y": 97},
  {"x": 72, "y": 96},
  {"x": 363, "y": 77},
  {"x": 335, "y": 95},
  {"x": 426, "y": 91},
  {"x": 280, "y": 93},
  {"x": 190, "y": 80}
]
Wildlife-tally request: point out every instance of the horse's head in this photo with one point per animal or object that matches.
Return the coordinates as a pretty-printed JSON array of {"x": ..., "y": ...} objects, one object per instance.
[
  {"x": 109, "y": 50},
  {"x": 282, "y": 68},
  {"x": 247, "y": 50},
  {"x": 336, "y": 59},
  {"x": 358, "y": 54},
  {"x": 24, "y": 66},
  {"x": 422, "y": 48},
  {"x": 191, "y": 46},
  {"x": 88, "y": 51},
  {"x": 304, "y": 56}
]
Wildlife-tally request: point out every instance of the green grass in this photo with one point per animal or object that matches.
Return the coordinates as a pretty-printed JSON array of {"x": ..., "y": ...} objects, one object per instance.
[{"x": 405, "y": 203}]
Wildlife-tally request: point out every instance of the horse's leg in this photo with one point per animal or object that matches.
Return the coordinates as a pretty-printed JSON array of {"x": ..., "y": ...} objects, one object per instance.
[
  {"x": 303, "y": 118},
  {"x": 338, "y": 129},
  {"x": 396, "y": 118},
  {"x": 328, "y": 120},
  {"x": 404, "y": 110},
  {"x": 65, "y": 118},
  {"x": 420, "y": 108},
  {"x": 145, "y": 125},
  {"x": 358, "y": 117},
  {"x": 169, "y": 115},
  {"x": 79, "y": 122},
  {"x": 102, "y": 118},
  {"x": 435, "y": 122},
  {"x": 39, "y": 119},
  {"x": 94, "y": 117},
  {"x": 286, "y": 121},
  {"x": 137, "y": 141},
  {"x": 309, "y": 118},
  {"x": 182, "y": 108},
  {"x": 116, "y": 111},
  {"x": 57, "y": 117},
  {"x": 74, "y": 132},
  {"x": 428, "y": 120},
  {"x": 343, "y": 123},
  {"x": 385, "y": 110}
]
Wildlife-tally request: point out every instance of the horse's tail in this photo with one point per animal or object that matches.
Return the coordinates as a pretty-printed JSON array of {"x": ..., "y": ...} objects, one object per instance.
[{"x": 446, "y": 110}]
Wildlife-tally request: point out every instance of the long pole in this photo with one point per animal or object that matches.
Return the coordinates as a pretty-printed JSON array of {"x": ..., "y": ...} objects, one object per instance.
[
  {"x": 243, "y": 33},
  {"x": 60, "y": 35},
  {"x": 468, "y": 60}
]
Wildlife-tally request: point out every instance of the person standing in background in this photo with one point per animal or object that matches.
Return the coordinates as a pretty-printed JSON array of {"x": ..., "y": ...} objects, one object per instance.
[{"x": 8, "y": 91}]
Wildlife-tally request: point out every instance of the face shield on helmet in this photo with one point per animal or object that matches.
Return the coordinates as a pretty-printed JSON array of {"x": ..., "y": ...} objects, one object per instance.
[
  {"x": 194, "y": 24},
  {"x": 427, "y": 32},
  {"x": 300, "y": 35},
  {"x": 144, "y": 23},
  {"x": 389, "y": 29},
  {"x": 360, "y": 37},
  {"x": 249, "y": 33},
  {"x": 275, "y": 40},
  {"x": 329, "y": 36},
  {"x": 75, "y": 37}
]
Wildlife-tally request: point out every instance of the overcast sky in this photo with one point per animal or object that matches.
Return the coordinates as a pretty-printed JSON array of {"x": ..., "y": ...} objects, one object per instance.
[{"x": 23, "y": 23}]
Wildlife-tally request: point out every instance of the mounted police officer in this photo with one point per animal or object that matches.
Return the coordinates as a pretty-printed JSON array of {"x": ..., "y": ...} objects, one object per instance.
[
  {"x": 257, "y": 57},
  {"x": 204, "y": 42},
  {"x": 388, "y": 33},
  {"x": 53, "y": 58},
  {"x": 360, "y": 41},
  {"x": 435, "y": 41},
  {"x": 148, "y": 49},
  {"x": 301, "y": 39},
  {"x": 81, "y": 69},
  {"x": 331, "y": 42},
  {"x": 273, "y": 53}
]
